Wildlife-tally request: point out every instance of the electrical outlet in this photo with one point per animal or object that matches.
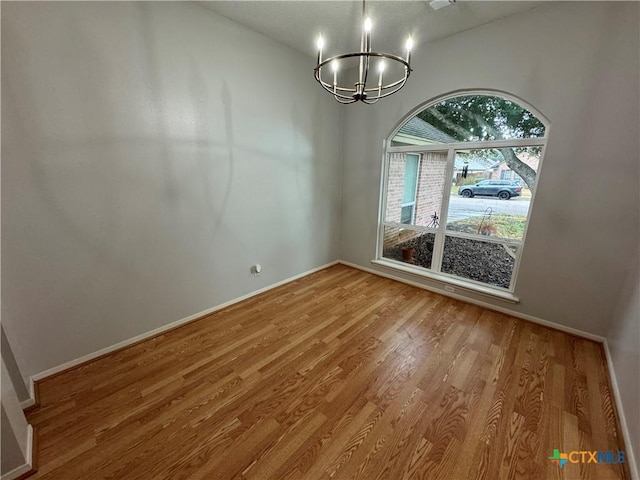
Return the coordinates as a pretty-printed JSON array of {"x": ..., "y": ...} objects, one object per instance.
[{"x": 449, "y": 288}]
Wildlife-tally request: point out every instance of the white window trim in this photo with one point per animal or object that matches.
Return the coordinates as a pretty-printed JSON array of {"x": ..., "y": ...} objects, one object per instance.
[
  {"x": 480, "y": 288},
  {"x": 435, "y": 273},
  {"x": 516, "y": 142},
  {"x": 449, "y": 280}
]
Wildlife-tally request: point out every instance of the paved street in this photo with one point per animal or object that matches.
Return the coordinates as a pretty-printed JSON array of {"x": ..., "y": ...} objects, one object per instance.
[{"x": 460, "y": 207}]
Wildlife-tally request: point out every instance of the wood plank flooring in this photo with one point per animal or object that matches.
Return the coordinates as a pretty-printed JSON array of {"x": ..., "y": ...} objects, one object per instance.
[{"x": 338, "y": 375}]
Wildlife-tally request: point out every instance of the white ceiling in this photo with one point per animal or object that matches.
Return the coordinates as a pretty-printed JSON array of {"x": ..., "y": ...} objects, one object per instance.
[{"x": 297, "y": 23}]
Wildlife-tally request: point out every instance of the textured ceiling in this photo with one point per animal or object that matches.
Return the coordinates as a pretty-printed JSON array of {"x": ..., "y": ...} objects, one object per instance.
[{"x": 297, "y": 23}]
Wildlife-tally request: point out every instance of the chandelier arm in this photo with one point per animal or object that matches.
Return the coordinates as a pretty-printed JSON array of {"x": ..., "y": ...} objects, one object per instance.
[
  {"x": 398, "y": 85},
  {"x": 391, "y": 92},
  {"x": 374, "y": 98},
  {"x": 339, "y": 92},
  {"x": 390, "y": 85},
  {"x": 345, "y": 102},
  {"x": 389, "y": 56},
  {"x": 395, "y": 86},
  {"x": 366, "y": 72},
  {"x": 329, "y": 88}
]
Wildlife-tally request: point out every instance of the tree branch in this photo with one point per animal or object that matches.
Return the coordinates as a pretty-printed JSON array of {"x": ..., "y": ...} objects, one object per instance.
[
  {"x": 527, "y": 173},
  {"x": 451, "y": 125}
]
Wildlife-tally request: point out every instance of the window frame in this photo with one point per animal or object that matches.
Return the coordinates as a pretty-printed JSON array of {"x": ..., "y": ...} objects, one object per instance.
[
  {"x": 506, "y": 173},
  {"x": 507, "y": 294}
]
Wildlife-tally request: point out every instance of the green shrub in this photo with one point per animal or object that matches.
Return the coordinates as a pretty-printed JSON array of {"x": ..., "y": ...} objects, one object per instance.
[
  {"x": 501, "y": 225},
  {"x": 470, "y": 180}
]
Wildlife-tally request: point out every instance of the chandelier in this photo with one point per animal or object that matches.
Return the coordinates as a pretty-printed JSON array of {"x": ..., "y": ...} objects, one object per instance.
[{"x": 364, "y": 90}]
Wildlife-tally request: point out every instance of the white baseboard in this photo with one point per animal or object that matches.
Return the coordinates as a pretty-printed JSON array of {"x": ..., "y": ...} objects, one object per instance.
[
  {"x": 480, "y": 303},
  {"x": 31, "y": 401},
  {"x": 26, "y": 467},
  {"x": 65, "y": 366},
  {"x": 157, "y": 331},
  {"x": 631, "y": 460}
]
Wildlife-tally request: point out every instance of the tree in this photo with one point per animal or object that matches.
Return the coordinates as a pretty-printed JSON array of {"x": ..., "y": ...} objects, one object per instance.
[{"x": 485, "y": 117}]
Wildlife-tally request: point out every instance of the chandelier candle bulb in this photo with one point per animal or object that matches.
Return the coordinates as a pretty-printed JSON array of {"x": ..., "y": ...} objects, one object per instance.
[
  {"x": 367, "y": 35},
  {"x": 409, "y": 46},
  {"x": 381, "y": 70},
  {"x": 320, "y": 45},
  {"x": 367, "y": 24},
  {"x": 335, "y": 67}
]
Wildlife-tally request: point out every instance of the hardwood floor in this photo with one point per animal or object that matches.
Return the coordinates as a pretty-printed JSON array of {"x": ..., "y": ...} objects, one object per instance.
[{"x": 341, "y": 375}]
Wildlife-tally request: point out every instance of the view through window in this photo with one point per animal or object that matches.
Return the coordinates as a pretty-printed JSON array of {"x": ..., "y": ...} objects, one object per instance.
[{"x": 460, "y": 177}]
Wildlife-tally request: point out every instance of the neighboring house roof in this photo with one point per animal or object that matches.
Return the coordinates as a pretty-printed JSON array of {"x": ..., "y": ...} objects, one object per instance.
[
  {"x": 475, "y": 164},
  {"x": 525, "y": 157},
  {"x": 418, "y": 129}
]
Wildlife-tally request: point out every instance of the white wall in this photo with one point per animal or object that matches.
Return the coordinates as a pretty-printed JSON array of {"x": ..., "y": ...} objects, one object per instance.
[
  {"x": 151, "y": 153},
  {"x": 623, "y": 338},
  {"x": 578, "y": 63}
]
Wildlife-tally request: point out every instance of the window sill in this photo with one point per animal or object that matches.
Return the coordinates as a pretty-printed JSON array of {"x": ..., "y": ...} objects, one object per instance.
[{"x": 448, "y": 281}]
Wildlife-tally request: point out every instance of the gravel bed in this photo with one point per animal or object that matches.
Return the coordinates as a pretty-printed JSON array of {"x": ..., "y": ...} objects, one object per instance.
[{"x": 484, "y": 262}]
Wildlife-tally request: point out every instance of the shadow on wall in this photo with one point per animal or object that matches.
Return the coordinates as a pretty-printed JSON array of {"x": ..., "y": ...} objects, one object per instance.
[
  {"x": 204, "y": 121},
  {"x": 228, "y": 127},
  {"x": 313, "y": 185},
  {"x": 322, "y": 186},
  {"x": 116, "y": 160},
  {"x": 120, "y": 166},
  {"x": 12, "y": 367},
  {"x": 105, "y": 197}
]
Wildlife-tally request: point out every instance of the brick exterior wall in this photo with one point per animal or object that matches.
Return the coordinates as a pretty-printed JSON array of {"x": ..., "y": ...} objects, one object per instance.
[
  {"x": 395, "y": 236},
  {"x": 395, "y": 185},
  {"x": 430, "y": 187}
]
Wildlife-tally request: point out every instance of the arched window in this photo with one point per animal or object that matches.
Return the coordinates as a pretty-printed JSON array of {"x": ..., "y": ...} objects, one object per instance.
[{"x": 459, "y": 180}]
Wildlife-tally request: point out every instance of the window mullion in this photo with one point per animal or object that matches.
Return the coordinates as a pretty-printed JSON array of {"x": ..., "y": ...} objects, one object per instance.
[
  {"x": 383, "y": 203},
  {"x": 415, "y": 190},
  {"x": 513, "y": 142},
  {"x": 438, "y": 247},
  {"x": 416, "y": 228}
]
